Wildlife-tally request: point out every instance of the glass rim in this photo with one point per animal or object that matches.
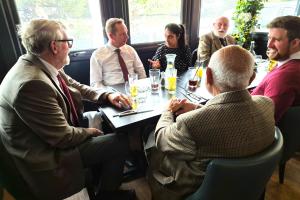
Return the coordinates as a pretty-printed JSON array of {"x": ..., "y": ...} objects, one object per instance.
[{"x": 155, "y": 70}]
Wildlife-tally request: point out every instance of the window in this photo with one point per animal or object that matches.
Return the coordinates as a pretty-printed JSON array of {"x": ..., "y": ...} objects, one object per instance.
[
  {"x": 212, "y": 9},
  {"x": 148, "y": 19},
  {"x": 273, "y": 9},
  {"x": 81, "y": 16}
]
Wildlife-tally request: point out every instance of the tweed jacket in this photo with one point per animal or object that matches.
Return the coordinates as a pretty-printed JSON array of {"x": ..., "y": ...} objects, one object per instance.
[
  {"x": 232, "y": 124},
  {"x": 210, "y": 43},
  {"x": 34, "y": 124}
]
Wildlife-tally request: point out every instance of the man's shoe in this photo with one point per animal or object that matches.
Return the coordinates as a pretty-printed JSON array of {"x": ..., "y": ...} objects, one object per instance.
[{"x": 116, "y": 195}]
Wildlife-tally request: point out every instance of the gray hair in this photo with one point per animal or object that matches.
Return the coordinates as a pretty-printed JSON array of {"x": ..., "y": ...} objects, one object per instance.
[
  {"x": 38, "y": 33},
  {"x": 232, "y": 68},
  {"x": 110, "y": 25}
]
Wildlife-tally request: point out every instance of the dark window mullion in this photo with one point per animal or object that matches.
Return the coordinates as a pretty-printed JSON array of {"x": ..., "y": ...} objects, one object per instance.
[{"x": 190, "y": 15}]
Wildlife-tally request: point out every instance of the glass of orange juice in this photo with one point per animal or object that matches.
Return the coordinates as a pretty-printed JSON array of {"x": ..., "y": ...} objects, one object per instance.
[{"x": 133, "y": 88}]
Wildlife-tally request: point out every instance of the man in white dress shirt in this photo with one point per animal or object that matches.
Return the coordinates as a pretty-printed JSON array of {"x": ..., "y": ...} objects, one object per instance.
[{"x": 104, "y": 64}]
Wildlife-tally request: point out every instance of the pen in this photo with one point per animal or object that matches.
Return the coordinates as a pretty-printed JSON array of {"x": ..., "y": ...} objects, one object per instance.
[
  {"x": 113, "y": 89},
  {"x": 131, "y": 113}
]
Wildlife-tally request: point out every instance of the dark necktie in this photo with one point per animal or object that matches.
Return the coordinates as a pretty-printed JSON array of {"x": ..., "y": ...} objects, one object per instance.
[
  {"x": 64, "y": 87},
  {"x": 223, "y": 42},
  {"x": 122, "y": 64}
]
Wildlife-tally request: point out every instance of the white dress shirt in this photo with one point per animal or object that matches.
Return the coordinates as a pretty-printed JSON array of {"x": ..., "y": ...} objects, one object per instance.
[
  {"x": 52, "y": 71},
  {"x": 105, "y": 68},
  {"x": 293, "y": 56}
]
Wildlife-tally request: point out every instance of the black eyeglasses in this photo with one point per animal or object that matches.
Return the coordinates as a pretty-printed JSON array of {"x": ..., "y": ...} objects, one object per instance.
[{"x": 70, "y": 42}]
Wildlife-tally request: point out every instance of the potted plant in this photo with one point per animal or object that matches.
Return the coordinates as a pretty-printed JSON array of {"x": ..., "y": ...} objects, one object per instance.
[{"x": 245, "y": 20}]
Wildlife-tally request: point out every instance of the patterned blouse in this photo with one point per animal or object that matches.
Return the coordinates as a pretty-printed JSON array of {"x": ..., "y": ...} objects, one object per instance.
[{"x": 183, "y": 58}]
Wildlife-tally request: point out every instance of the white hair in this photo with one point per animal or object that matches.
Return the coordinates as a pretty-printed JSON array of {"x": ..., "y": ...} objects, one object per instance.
[
  {"x": 38, "y": 33},
  {"x": 232, "y": 68}
]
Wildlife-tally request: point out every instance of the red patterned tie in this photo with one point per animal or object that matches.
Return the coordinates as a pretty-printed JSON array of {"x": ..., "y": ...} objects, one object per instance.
[
  {"x": 122, "y": 64},
  {"x": 64, "y": 87}
]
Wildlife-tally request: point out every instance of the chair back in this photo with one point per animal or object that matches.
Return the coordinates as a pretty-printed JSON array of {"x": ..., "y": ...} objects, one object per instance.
[
  {"x": 289, "y": 126},
  {"x": 10, "y": 177},
  {"x": 242, "y": 178}
]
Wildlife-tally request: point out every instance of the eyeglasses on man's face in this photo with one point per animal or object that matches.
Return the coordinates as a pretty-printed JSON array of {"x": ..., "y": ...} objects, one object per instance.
[{"x": 70, "y": 42}]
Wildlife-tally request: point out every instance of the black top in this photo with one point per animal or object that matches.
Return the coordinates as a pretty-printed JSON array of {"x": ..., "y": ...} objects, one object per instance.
[{"x": 183, "y": 58}]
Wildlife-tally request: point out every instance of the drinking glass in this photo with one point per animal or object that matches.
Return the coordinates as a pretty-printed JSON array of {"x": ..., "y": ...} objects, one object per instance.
[
  {"x": 143, "y": 90},
  {"x": 193, "y": 78},
  {"x": 132, "y": 81},
  {"x": 154, "y": 75},
  {"x": 171, "y": 79},
  {"x": 259, "y": 62}
]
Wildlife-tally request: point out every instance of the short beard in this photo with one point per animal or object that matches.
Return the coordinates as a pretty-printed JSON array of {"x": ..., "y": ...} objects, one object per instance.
[
  {"x": 67, "y": 60},
  {"x": 279, "y": 57}
]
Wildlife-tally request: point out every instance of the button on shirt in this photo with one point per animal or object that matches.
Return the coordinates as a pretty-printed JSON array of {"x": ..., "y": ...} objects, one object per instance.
[{"x": 105, "y": 68}]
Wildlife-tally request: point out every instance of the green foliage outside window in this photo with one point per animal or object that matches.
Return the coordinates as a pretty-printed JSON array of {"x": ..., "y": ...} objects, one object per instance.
[{"x": 245, "y": 19}]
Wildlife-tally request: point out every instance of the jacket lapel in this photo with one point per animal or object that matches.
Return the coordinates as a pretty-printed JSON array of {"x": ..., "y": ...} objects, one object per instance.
[{"x": 36, "y": 62}]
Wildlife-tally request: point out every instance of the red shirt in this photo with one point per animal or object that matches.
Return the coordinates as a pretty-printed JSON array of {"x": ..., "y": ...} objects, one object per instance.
[{"x": 282, "y": 85}]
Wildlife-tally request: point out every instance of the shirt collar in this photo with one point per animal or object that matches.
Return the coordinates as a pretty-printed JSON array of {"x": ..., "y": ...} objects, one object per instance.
[
  {"x": 111, "y": 47},
  {"x": 51, "y": 69},
  {"x": 293, "y": 56}
]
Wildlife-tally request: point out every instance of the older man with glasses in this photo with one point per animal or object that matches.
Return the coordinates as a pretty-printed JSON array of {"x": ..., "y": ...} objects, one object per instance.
[{"x": 39, "y": 120}]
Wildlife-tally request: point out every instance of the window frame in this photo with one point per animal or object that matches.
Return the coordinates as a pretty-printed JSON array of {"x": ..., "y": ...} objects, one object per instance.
[
  {"x": 120, "y": 8},
  {"x": 11, "y": 48}
]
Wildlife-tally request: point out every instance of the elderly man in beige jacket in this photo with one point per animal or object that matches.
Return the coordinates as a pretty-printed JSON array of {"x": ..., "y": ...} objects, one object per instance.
[
  {"x": 214, "y": 40},
  {"x": 232, "y": 124}
]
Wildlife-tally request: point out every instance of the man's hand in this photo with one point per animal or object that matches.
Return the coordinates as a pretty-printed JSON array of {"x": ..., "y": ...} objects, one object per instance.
[
  {"x": 186, "y": 107},
  {"x": 94, "y": 132},
  {"x": 175, "y": 104},
  {"x": 119, "y": 100},
  {"x": 179, "y": 107}
]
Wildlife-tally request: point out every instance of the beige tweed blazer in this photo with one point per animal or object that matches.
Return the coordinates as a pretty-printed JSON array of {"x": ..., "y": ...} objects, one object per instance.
[
  {"x": 210, "y": 43},
  {"x": 232, "y": 124}
]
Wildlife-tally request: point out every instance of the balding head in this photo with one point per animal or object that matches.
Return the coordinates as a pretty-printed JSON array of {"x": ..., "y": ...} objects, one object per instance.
[
  {"x": 232, "y": 68},
  {"x": 220, "y": 26}
]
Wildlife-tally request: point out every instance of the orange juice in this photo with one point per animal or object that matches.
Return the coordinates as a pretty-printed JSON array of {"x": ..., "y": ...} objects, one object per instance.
[
  {"x": 133, "y": 90},
  {"x": 172, "y": 84},
  {"x": 272, "y": 64},
  {"x": 134, "y": 104},
  {"x": 200, "y": 72}
]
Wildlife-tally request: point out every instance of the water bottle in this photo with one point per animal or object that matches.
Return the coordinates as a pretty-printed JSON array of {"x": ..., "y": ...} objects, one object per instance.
[
  {"x": 162, "y": 80},
  {"x": 251, "y": 50}
]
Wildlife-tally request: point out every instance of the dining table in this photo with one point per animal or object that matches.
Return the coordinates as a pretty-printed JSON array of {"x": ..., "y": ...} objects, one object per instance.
[{"x": 149, "y": 109}]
